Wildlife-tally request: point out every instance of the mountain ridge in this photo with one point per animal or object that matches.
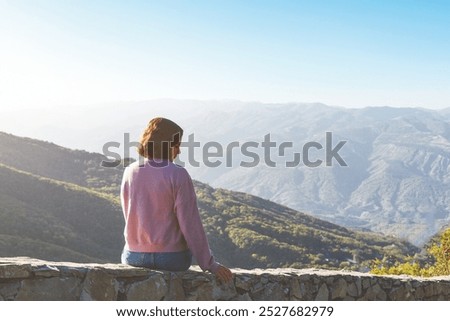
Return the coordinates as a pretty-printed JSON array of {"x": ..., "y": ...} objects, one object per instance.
[
  {"x": 397, "y": 180},
  {"x": 244, "y": 230}
]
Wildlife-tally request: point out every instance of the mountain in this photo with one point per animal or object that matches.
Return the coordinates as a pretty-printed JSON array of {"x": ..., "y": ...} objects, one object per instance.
[
  {"x": 396, "y": 180},
  {"x": 62, "y": 164},
  {"x": 53, "y": 206}
]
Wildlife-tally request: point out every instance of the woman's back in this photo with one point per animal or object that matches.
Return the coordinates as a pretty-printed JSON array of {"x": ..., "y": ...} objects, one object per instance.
[
  {"x": 148, "y": 197},
  {"x": 162, "y": 221}
]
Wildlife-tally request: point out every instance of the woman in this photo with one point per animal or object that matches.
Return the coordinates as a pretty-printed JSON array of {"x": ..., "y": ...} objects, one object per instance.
[{"x": 162, "y": 222}]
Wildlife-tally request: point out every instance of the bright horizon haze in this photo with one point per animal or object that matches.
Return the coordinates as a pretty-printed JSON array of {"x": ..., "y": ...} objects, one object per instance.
[{"x": 341, "y": 53}]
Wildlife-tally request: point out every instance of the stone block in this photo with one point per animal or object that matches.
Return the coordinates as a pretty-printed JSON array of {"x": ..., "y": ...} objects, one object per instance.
[
  {"x": 176, "y": 290},
  {"x": 271, "y": 292},
  {"x": 339, "y": 290},
  {"x": 365, "y": 283},
  {"x": 375, "y": 293},
  {"x": 50, "y": 289},
  {"x": 243, "y": 283},
  {"x": 154, "y": 288},
  {"x": 330, "y": 280},
  {"x": 14, "y": 271},
  {"x": 445, "y": 289},
  {"x": 295, "y": 292},
  {"x": 323, "y": 293},
  {"x": 358, "y": 284},
  {"x": 430, "y": 290},
  {"x": 419, "y": 293},
  {"x": 352, "y": 290},
  {"x": 99, "y": 286},
  {"x": 400, "y": 294},
  {"x": 213, "y": 291},
  {"x": 9, "y": 290}
]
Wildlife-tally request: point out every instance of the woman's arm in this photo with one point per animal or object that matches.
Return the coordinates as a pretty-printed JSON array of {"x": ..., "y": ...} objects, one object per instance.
[
  {"x": 190, "y": 223},
  {"x": 186, "y": 209}
]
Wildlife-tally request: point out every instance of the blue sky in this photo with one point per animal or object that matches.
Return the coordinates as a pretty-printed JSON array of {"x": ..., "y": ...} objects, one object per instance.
[{"x": 347, "y": 53}]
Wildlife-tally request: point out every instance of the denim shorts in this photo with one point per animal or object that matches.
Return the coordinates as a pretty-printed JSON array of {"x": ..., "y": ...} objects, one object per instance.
[{"x": 168, "y": 261}]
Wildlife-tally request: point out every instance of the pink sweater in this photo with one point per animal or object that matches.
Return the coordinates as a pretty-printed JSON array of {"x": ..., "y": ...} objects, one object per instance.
[{"x": 161, "y": 214}]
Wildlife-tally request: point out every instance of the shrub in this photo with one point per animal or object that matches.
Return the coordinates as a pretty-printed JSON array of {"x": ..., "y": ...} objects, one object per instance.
[{"x": 440, "y": 251}]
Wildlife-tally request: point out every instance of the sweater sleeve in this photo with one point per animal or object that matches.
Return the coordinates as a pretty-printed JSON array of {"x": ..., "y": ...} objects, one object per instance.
[
  {"x": 124, "y": 196},
  {"x": 190, "y": 223}
]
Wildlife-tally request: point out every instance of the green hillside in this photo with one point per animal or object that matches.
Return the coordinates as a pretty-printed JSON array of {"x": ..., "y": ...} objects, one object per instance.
[
  {"x": 52, "y": 161},
  {"x": 254, "y": 232},
  {"x": 60, "y": 204},
  {"x": 57, "y": 215}
]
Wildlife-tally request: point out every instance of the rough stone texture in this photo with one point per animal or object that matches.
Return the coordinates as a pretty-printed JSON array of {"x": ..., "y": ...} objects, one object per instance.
[
  {"x": 322, "y": 295},
  {"x": 339, "y": 289},
  {"x": 99, "y": 286},
  {"x": 12, "y": 271},
  {"x": 50, "y": 289},
  {"x": 8, "y": 291},
  {"x": 31, "y": 279},
  {"x": 154, "y": 288},
  {"x": 176, "y": 290}
]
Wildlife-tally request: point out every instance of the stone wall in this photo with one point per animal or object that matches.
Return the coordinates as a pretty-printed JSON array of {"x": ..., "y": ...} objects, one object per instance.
[{"x": 30, "y": 279}]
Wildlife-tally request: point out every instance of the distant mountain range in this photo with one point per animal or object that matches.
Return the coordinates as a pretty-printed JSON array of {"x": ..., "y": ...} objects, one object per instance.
[
  {"x": 60, "y": 204},
  {"x": 397, "y": 180},
  {"x": 398, "y": 176}
]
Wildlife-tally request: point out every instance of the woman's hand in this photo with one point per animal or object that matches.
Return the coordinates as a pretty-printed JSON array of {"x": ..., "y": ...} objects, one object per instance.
[{"x": 224, "y": 274}]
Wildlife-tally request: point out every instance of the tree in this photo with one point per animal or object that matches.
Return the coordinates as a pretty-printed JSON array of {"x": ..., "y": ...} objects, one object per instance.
[{"x": 440, "y": 251}]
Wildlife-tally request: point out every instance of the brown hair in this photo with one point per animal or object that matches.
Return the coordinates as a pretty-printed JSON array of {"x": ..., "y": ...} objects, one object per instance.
[{"x": 158, "y": 137}]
